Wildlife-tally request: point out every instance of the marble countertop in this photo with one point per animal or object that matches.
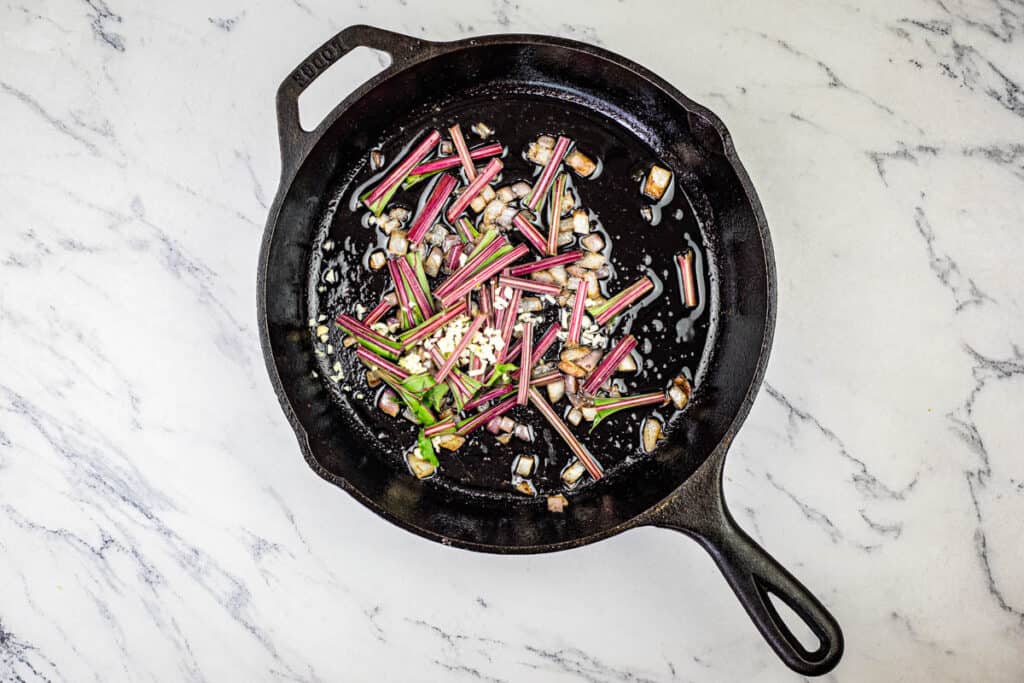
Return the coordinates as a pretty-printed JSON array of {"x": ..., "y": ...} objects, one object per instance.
[{"x": 158, "y": 523}]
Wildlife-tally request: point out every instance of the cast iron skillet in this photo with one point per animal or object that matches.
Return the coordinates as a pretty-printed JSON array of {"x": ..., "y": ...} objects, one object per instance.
[{"x": 680, "y": 485}]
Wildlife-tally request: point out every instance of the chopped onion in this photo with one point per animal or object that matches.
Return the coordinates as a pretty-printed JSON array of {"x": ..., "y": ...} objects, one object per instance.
[
  {"x": 593, "y": 242},
  {"x": 506, "y": 217},
  {"x": 581, "y": 221},
  {"x": 437, "y": 234},
  {"x": 556, "y": 390},
  {"x": 568, "y": 202},
  {"x": 373, "y": 380},
  {"x": 680, "y": 392},
  {"x": 573, "y": 353},
  {"x": 589, "y": 413},
  {"x": 539, "y": 154},
  {"x": 451, "y": 442},
  {"x": 590, "y": 361},
  {"x": 376, "y": 160},
  {"x": 571, "y": 369},
  {"x": 388, "y": 403},
  {"x": 524, "y": 465},
  {"x": 445, "y": 148},
  {"x": 494, "y": 425},
  {"x": 523, "y": 432},
  {"x": 493, "y": 210},
  {"x": 571, "y": 474},
  {"x": 505, "y": 194},
  {"x": 398, "y": 244},
  {"x": 565, "y": 238},
  {"x": 557, "y": 503},
  {"x": 378, "y": 259},
  {"x": 482, "y": 130},
  {"x": 506, "y": 423},
  {"x": 651, "y": 432},
  {"x": 559, "y": 275},
  {"x": 580, "y": 162},
  {"x": 525, "y": 487},
  {"x": 432, "y": 264},
  {"x": 592, "y": 260},
  {"x": 577, "y": 271},
  {"x": 542, "y": 276},
  {"x": 565, "y": 225},
  {"x": 478, "y": 204},
  {"x": 530, "y": 304},
  {"x": 488, "y": 193},
  {"x": 420, "y": 467},
  {"x": 388, "y": 225},
  {"x": 657, "y": 182},
  {"x": 504, "y": 439},
  {"x": 628, "y": 364},
  {"x": 521, "y": 189},
  {"x": 647, "y": 213},
  {"x": 574, "y": 417}
]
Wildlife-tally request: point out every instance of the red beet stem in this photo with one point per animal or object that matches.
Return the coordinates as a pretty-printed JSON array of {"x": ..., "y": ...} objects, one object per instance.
[
  {"x": 530, "y": 232},
  {"x": 431, "y": 325},
  {"x": 607, "y": 366},
  {"x": 579, "y": 306},
  {"x": 487, "y": 175},
  {"x": 432, "y": 208},
  {"x": 402, "y": 170},
  {"x": 685, "y": 262},
  {"x": 422, "y": 298},
  {"x": 529, "y": 285},
  {"x": 489, "y": 271},
  {"x": 555, "y": 214},
  {"x": 444, "y": 163},
  {"x": 463, "y": 150},
  {"x": 482, "y": 418},
  {"x": 372, "y": 360},
  {"x": 622, "y": 300},
  {"x": 578, "y": 449},
  {"x": 540, "y": 188},
  {"x": 526, "y": 365},
  {"x": 545, "y": 263}
]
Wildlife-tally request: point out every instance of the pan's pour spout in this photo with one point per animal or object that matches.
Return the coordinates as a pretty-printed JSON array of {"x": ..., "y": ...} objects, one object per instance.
[{"x": 698, "y": 510}]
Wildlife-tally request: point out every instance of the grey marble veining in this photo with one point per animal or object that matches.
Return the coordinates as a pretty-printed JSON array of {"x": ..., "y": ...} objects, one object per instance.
[{"x": 157, "y": 522}]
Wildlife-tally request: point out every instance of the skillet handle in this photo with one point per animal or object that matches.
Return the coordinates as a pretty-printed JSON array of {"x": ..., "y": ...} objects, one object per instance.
[
  {"x": 699, "y": 511},
  {"x": 296, "y": 142}
]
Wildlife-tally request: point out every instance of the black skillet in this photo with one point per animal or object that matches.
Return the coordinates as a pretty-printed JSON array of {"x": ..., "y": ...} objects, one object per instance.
[{"x": 635, "y": 117}]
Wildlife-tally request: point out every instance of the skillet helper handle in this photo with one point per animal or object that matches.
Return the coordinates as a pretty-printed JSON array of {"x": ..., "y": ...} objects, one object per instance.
[
  {"x": 753, "y": 574},
  {"x": 297, "y": 142}
]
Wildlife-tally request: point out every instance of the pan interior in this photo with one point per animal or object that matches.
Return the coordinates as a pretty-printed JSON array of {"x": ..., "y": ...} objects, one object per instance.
[
  {"x": 521, "y": 90},
  {"x": 671, "y": 338}
]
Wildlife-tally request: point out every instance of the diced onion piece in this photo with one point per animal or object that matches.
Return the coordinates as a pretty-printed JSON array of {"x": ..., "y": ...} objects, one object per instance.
[
  {"x": 593, "y": 242},
  {"x": 348, "y": 342},
  {"x": 505, "y": 193},
  {"x": 571, "y": 474},
  {"x": 445, "y": 148},
  {"x": 573, "y": 353},
  {"x": 504, "y": 439},
  {"x": 565, "y": 238},
  {"x": 432, "y": 264},
  {"x": 478, "y": 204},
  {"x": 525, "y": 487},
  {"x": 651, "y": 432},
  {"x": 493, "y": 209},
  {"x": 657, "y": 182},
  {"x": 506, "y": 217},
  {"x": 538, "y": 154},
  {"x": 399, "y": 213},
  {"x": 376, "y": 160},
  {"x": 451, "y": 442},
  {"x": 556, "y": 390},
  {"x": 488, "y": 193},
  {"x": 420, "y": 467},
  {"x": 494, "y": 425},
  {"x": 378, "y": 259},
  {"x": 530, "y": 304},
  {"x": 388, "y": 403},
  {"x": 437, "y": 234},
  {"x": 581, "y": 221},
  {"x": 680, "y": 392},
  {"x": 559, "y": 275},
  {"x": 557, "y": 503},
  {"x": 580, "y": 162},
  {"x": 628, "y": 364},
  {"x": 506, "y": 423},
  {"x": 542, "y": 276},
  {"x": 524, "y": 465},
  {"x": 523, "y": 432},
  {"x": 647, "y": 213},
  {"x": 568, "y": 203},
  {"x": 571, "y": 369},
  {"x": 398, "y": 244},
  {"x": 592, "y": 260},
  {"x": 590, "y": 361},
  {"x": 546, "y": 141},
  {"x": 574, "y": 417},
  {"x": 589, "y": 413},
  {"x": 521, "y": 189},
  {"x": 388, "y": 225},
  {"x": 482, "y": 130},
  {"x": 373, "y": 380},
  {"x": 565, "y": 225}
]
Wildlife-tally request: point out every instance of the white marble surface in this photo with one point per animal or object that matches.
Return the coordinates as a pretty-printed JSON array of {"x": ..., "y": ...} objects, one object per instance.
[{"x": 158, "y": 523}]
